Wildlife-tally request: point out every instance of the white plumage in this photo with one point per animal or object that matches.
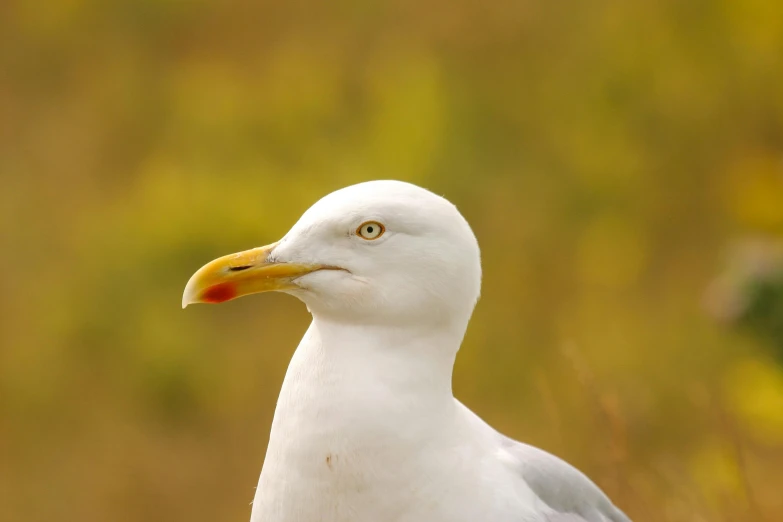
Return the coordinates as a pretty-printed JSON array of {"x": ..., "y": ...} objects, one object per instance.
[{"x": 366, "y": 427}]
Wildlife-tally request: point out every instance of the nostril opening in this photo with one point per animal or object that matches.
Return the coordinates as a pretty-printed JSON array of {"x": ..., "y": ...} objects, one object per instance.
[{"x": 238, "y": 268}]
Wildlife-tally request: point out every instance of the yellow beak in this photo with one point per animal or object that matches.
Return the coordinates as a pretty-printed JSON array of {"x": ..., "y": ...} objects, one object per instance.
[{"x": 244, "y": 273}]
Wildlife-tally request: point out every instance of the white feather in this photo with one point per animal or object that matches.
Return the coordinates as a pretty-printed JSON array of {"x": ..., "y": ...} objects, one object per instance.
[{"x": 366, "y": 427}]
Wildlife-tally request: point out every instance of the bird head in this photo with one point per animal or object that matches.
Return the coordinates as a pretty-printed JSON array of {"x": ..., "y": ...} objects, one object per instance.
[{"x": 377, "y": 252}]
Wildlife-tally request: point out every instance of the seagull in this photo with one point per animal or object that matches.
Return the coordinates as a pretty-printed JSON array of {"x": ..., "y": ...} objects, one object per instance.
[{"x": 366, "y": 427}]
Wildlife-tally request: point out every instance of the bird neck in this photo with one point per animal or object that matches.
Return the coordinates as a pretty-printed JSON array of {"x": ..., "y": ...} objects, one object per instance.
[
  {"x": 358, "y": 389},
  {"x": 357, "y": 398},
  {"x": 410, "y": 359}
]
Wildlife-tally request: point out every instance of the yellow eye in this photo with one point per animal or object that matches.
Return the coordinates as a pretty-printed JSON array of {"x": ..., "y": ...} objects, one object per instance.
[{"x": 370, "y": 230}]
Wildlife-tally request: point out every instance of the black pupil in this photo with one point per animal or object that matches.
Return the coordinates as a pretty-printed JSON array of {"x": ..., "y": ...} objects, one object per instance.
[{"x": 369, "y": 230}]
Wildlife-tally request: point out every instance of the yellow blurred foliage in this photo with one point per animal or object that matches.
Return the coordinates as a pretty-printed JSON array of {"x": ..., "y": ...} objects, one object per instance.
[
  {"x": 611, "y": 253},
  {"x": 716, "y": 472},
  {"x": 604, "y": 152},
  {"x": 754, "y": 389},
  {"x": 756, "y": 191}
]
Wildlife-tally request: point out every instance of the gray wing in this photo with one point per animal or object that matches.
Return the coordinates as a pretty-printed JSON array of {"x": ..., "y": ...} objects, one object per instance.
[
  {"x": 563, "y": 517},
  {"x": 570, "y": 495},
  {"x": 562, "y": 487}
]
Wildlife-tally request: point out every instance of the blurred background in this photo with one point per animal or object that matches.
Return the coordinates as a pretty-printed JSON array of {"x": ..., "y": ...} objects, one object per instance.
[{"x": 621, "y": 164}]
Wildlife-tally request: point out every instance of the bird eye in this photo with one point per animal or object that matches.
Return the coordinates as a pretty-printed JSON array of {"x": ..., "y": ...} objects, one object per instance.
[{"x": 370, "y": 230}]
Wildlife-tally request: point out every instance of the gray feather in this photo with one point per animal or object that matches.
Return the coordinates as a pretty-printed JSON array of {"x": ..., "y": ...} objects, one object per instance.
[{"x": 562, "y": 487}]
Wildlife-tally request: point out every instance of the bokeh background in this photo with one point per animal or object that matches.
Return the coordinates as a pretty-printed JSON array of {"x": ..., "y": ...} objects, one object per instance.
[{"x": 620, "y": 162}]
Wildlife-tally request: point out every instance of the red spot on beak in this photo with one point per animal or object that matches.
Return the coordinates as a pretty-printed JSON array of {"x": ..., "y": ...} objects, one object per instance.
[{"x": 219, "y": 293}]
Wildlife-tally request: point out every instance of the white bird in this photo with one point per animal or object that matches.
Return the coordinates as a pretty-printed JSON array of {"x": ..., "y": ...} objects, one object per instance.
[{"x": 366, "y": 427}]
